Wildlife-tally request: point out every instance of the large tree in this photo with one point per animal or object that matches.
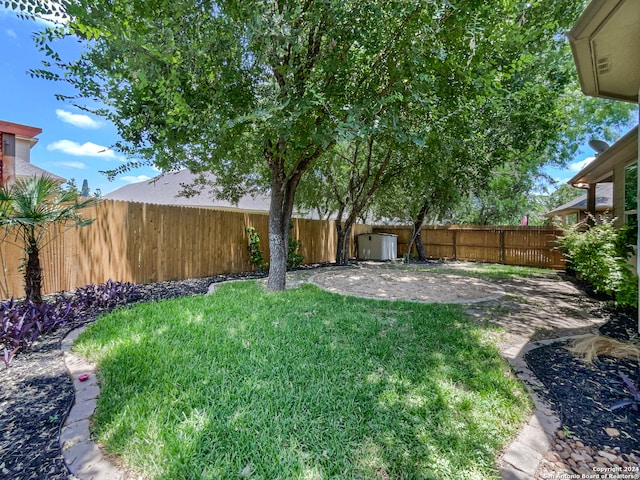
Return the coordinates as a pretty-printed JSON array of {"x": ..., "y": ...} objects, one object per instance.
[
  {"x": 260, "y": 90},
  {"x": 266, "y": 87},
  {"x": 490, "y": 100},
  {"x": 437, "y": 175},
  {"x": 256, "y": 92},
  {"x": 526, "y": 115}
]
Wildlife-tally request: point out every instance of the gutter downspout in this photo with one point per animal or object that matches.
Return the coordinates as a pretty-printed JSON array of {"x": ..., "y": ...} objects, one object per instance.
[{"x": 591, "y": 203}]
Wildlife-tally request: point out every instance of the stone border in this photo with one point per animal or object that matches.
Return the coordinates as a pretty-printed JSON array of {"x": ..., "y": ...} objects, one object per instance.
[
  {"x": 83, "y": 457},
  {"x": 522, "y": 456}
]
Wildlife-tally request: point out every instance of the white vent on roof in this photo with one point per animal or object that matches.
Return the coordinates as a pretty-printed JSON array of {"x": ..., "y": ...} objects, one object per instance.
[{"x": 603, "y": 64}]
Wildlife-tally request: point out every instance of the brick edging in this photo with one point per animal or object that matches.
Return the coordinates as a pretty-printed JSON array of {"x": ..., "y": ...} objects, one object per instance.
[
  {"x": 522, "y": 456},
  {"x": 82, "y": 456}
]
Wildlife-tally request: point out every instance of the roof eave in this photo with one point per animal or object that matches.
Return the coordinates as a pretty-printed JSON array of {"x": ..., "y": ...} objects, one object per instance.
[
  {"x": 589, "y": 25},
  {"x": 600, "y": 170}
]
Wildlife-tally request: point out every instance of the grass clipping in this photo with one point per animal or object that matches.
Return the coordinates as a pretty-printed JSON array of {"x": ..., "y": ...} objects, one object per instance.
[{"x": 591, "y": 347}]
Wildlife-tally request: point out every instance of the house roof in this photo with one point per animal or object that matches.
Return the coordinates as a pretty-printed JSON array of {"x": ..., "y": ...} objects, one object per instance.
[
  {"x": 165, "y": 189},
  {"x": 601, "y": 169},
  {"x": 604, "y": 201},
  {"x": 26, "y": 169},
  {"x": 604, "y": 41},
  {"x": 19, "y": 130},
  {"x": 23, "y": 168}
]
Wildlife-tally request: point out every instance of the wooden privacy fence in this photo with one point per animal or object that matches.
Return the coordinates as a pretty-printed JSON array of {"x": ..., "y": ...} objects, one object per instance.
[
  {"x": 142, "y": 243},
  {"x": 523, "y": 246}
]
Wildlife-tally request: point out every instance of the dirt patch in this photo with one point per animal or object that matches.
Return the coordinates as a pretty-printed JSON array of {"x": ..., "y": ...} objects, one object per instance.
[
  {"x": 407, "y": 284},
  {"x": 542, "y": 307},
  {"x": 530, "y": 308}
]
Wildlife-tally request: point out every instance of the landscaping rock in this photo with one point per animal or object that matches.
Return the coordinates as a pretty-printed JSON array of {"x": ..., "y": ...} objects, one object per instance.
[
  {"x": 612, "y": 432},
  {"x": 576, "y": 458}
]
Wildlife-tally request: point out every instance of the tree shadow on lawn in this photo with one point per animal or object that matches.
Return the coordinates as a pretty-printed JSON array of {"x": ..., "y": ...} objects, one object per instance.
[{"x": 301, "y": 384}]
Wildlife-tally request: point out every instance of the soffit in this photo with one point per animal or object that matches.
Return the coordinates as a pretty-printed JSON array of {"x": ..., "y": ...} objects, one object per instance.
[{"x": 606, "y": 47}]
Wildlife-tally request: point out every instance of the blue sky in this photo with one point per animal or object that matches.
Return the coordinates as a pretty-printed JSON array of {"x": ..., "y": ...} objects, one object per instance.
[{"x": 73, "y": 144}]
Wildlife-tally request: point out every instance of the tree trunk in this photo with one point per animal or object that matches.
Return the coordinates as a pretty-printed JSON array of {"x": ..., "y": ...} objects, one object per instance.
[
  {"x": 344, "y": 237},
  {"x": 33, "y": 274},
  {"x": 416, "y": 234},
  {"x": 283, "y": 190},
  {"x": 279, "y": 221},
  {"x": 422, "y": 253}
]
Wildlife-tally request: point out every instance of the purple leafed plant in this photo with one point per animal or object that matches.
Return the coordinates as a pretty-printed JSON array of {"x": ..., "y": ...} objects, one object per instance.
[
  {"x": 22, "y": 322},
  {"x": 107, "y": 295},
  {"x": 634, "y": 392}
]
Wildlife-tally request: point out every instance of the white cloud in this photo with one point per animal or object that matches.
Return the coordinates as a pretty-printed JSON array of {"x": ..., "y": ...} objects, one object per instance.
[
  {"x": 77, "y": 165},
  {"x": 577, "y": 166},
  {"x": 76, "y": 119},
  {"x": 87, "y": 149},
  {"x": 134, "y": 179},
  {"x": 11, "y": 33}
]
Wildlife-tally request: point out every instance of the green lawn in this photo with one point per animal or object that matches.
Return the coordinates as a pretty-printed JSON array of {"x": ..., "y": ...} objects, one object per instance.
[{"x": 301, "y": 384}]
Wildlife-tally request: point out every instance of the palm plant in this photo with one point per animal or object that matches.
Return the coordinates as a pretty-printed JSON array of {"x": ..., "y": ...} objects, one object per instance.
[{"x": 29, "y": 208}]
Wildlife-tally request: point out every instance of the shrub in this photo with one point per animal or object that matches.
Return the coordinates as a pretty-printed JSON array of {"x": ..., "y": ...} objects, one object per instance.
[
  {"x": 255, "y": 251},
  {"x": 105, "y": 296},
  {"x": 598, "y": 255},
  {"x": 22, "y": 322},
  {"x": 294, "y": 257},
  {"x": 256, "y": 257}
]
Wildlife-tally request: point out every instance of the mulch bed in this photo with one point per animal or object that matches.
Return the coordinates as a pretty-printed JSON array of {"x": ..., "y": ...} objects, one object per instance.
[
  {"x": 35, "y": 398},
  {"x": 583, "y": 394}
]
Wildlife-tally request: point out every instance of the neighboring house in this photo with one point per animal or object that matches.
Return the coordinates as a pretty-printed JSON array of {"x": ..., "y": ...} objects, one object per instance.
[
  {"x": 617, "y": 164},
  {"x": 576, "y": 210},
  {"x": 16, "y": 142},
  {"x": 166, "y": 189}
]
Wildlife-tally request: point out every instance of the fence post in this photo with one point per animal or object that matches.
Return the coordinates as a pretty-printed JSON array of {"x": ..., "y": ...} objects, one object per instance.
[
  {"x": 502, "y": 245},
  {"x": 455, "y": 245}
]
